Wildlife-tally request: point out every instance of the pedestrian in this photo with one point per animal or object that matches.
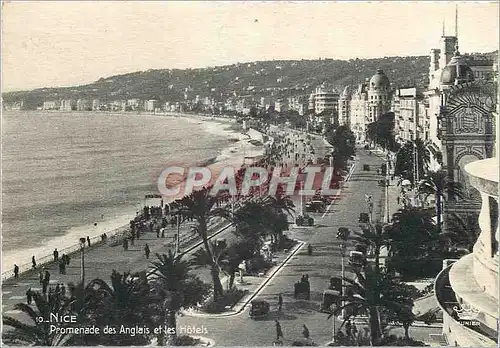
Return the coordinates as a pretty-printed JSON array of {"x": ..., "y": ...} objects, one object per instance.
[
  {"x": 63, "y": 290},
  {"x": 398, "y": 199},
  {"x": 33, "y": 262},
  {"x": 58, "y": 289},
  {"x": 163, "y": 232},
  {"x": 147, "y": 251},
  {"x": 279, "y": 331},
  {"x": 62, "y": 267},
  {"x": 16, "y": 271},
  {"x": 29, "y": 296},
  {"x": 348, "y": 328},
  {"x": 354, "y": 330},
  {"x": 280, "y": 302},
  {"x": 51, "y": 294},
  {"x": 88, "y": 241},
  {"x": 125, "y": 244},
  {"x": 305, "y": 332},
  {"x": 56, "y": 254}
]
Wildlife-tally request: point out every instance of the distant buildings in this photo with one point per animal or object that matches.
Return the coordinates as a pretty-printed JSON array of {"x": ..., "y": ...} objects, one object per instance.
[
  {"x": 51, "y": 105},
  {"x": 323, "y": 99},
  {"x": 68, "y": 105}
]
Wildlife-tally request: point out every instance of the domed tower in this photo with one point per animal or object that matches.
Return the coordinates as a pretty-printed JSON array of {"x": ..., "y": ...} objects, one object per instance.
[
  {"x": 456, "y": 72},
  {"x": 378, "y": 95}
]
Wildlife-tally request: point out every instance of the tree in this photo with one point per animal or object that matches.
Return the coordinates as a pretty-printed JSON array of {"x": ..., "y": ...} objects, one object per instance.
[
  {"x": 372, "y": 293},
  {"x": 343, "y": 142},
  {"x": 200, "y": 205},
  {"x": 381, "y": 132},
  {"x": 176, "y": 287},
  {"x": 463, "y": 231},
  {"x": 443, "y": 188},
  {"x": 38, "y": 332},
  {"x": 414, "y": 245},
  {"x": 405, "y": 160},
  {"x": 125, "y": 301},
  {"x": 213, "y": 258},
  {"x": 374, "y": 237}
]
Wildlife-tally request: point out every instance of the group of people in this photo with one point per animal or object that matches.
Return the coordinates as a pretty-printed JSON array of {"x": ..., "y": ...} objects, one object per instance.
[
  {"x": 280, "y": 335},
  {"x": 53, "y": 292}
]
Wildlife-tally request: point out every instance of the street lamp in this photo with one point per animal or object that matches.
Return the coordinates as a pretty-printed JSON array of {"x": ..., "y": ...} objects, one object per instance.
[
  {"x": 343, "y": 248},
  {"x": 82, "y": 252}
]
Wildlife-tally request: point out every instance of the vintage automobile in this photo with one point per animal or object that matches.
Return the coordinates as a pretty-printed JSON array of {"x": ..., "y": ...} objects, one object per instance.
[
  {"x": 364, "y": 218},
  {"x": 304, "y": 220},
  {"x": 259, "y": 309},
  {"x": 366, "y": 167},
  {"x": 302, "y": 289},
  {"x": 315, "y": 206},
  {"x": 357, "y": 259},
  {"x": 330, "y": 297}
]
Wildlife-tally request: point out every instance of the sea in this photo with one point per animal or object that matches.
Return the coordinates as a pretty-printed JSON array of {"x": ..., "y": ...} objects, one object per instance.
[{"x": 77, "y": 174}]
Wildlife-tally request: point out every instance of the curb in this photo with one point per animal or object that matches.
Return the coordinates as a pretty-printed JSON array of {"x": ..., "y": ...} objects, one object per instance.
[{"x": 254, "y": 294}]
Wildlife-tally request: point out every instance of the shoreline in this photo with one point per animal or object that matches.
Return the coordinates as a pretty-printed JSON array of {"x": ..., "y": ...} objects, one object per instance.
[{"x": 229, "y": 154}]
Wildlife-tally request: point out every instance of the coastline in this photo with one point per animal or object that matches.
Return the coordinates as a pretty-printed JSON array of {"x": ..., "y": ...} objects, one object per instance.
[{"x": 229, "y": 155}]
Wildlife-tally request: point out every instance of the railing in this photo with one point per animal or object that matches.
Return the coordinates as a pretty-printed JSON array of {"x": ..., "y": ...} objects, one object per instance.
[{"x": 48, "y": 259}]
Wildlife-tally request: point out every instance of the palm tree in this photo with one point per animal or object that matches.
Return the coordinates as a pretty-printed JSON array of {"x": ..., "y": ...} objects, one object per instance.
[
  {"x": 414, "y": 241},
  {"x": 38, "y": 332},
  {"x": 443, "y": 188},
  {"x": 373, "y": 238},
  {"x": 405, "y": 160},
  {"x": 125, "y": 301},
  {"x": 176, "y": 287},
  {"x": 371, "y": 293},
  {"x": 213, "y": 259},
  {"x": 201, "y": 206},
  {"x": 463, "y": 231}
]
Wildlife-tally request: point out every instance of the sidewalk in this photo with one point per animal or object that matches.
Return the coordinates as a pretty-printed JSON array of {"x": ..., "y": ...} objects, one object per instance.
[{"x": 99, "y": 262}]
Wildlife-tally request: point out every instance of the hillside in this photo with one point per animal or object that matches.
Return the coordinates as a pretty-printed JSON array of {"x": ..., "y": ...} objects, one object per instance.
[{"x": 266, "y": 78}]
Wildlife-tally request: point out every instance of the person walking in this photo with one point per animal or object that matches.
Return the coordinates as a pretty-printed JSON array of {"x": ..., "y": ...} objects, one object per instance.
[
  {"x": 29, "y": 296},
  {"x": 88, "y": 241},
  {"x": 348, "y": 328},
  {"x": 354, "y": 330},
  {"x": 56, "y": 254},
  {"x": 33, "y": 262},
  {"x": 47, "y": 276},
  {"x": 147, "y": 251},
  {"x": 280, "y": 302},
  {"x": 279, "y": 331},
  {"x": 305, "y": 332},
  {"x": 16, "y": 271}
]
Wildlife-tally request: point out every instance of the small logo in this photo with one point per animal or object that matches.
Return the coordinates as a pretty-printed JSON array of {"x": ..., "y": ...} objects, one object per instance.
[{"x": 466, "y": 312}]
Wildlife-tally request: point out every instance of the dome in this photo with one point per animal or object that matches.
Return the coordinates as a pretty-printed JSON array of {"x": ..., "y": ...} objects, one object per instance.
[
  {"x": 379, "y": 80},
  {"x": 456, "y": 65}
]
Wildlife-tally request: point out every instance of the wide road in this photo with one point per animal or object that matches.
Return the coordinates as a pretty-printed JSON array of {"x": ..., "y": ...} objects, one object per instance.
[{"x": 325, "y": 262}]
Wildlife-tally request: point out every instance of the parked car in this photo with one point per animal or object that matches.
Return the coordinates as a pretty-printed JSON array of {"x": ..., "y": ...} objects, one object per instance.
[{"x": 366, "y": 167}]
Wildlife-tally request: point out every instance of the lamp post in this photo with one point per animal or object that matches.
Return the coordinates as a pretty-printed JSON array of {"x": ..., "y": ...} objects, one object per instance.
[
  {"x": 178, "y": 239},
  {"x": 82, "y": 252},
  {"x": 387, "y": 180},
  {"x": 343, "y": 248}
]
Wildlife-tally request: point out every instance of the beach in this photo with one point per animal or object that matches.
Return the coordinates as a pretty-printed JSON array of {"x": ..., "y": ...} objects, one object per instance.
[{"x": 88, "y": 200}]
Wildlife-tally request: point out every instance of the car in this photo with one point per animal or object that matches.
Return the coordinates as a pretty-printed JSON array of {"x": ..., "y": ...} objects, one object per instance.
[
  {"x": 357, "y": 258},
  {"x": 366, "y": 167},
  {"x": 316, "y": 206},
  {"x": 364, "y": 218}
]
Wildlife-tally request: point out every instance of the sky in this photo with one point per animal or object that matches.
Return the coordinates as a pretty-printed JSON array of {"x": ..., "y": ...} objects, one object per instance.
[{"x": 65, "y": 43}]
